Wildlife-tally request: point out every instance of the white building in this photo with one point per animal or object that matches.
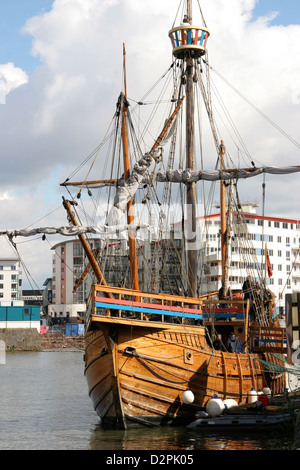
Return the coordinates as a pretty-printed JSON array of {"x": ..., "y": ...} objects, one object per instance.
[
  {"x": 251, "y": 234},
  {"x": 69, "y": 263},
  {"x": 13, "y": 312},
  {"x": 10, "y": 282}
]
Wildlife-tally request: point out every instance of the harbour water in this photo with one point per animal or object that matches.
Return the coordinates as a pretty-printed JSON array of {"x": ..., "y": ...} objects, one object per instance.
[{"x": 45, "y": 406}]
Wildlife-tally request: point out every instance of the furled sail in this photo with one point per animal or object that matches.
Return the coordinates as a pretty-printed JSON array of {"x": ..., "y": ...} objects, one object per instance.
[
  {"x": 192, "y": 176},
  {"x": 138, "y": 176},
  {"x": 103, "y": 231},
  {"x": 130, "y": 187}
]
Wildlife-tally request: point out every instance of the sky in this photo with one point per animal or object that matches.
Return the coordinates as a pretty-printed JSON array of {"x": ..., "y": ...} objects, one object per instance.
[{"x": 60, "y": 76}]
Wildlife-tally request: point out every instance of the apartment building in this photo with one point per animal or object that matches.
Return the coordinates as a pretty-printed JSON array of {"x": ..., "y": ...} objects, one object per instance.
[
  {"x": 10, "y": 281},
  {"x": 69, "y": 263},
  {"x": 13, "y": 312},
  {"x": 251, "y": 237}
]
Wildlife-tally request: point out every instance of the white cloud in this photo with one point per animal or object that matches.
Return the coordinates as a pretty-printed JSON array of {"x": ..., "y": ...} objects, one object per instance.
[
  {"x": 6, "y": 196},
  {"x": 11, "y": 77},
  {"x": 55, "y": 97},
  {"x": 61, "y": 113}
]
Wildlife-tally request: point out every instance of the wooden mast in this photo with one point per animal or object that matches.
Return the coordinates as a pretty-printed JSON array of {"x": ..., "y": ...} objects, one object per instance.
[
  {"x": 190, "y": 163},
  {"x": 224, "y": 263},
  {"x": 98, "y": 273},
  {"x": 130, "y": 218}
]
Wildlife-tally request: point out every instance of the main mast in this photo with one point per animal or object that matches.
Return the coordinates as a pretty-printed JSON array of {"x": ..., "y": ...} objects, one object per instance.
[
  {"x": 189, "y": 43},
  {"x": 130, "y": 218},
  {"x": 190, "y": 163}
]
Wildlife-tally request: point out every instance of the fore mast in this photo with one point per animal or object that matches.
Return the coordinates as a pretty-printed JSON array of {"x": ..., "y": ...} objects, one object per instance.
[{"x": 189, "y": 44}]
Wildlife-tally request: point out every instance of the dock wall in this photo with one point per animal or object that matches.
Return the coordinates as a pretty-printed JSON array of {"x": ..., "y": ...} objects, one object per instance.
[{"x": 21, "y": 339}]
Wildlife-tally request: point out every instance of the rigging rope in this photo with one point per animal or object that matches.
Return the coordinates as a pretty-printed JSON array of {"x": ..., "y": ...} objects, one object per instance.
[{"x": 276, "y": 126}]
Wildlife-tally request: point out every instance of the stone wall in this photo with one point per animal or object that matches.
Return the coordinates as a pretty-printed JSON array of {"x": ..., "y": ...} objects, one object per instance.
[{"x": 21, "y": 339}]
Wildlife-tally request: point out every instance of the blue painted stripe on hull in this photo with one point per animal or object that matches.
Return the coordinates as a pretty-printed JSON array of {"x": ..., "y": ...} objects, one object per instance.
[
  {"x": 151, "y": 311},
  {"x": 131, "y": 308}
]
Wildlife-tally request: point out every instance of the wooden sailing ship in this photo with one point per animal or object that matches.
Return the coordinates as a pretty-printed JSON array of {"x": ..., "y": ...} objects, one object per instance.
[{"x": 145, "y": 349}]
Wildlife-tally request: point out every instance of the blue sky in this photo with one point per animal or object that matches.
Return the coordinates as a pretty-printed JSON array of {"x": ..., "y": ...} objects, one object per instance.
[
  {"x": 14, "y": 45},
  {"x": 289, "y": 10}
]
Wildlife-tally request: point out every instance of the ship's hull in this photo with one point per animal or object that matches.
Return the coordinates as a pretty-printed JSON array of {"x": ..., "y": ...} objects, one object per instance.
[{"x": 137, "y": 372}]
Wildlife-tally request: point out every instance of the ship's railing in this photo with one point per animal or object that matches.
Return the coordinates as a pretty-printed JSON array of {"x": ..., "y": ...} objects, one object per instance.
[
  {"x": 225, "y": 309},
  {"x": 119, "y": 302},
  {"x": 268, "y": 339}
]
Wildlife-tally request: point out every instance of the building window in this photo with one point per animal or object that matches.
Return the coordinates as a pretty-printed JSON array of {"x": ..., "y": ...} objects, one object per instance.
[
  {"x": 284, "y": 225},
  {"x": 77, "y": 249}
]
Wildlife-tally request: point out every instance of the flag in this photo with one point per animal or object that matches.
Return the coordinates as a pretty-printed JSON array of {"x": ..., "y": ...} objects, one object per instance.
[{"x": 270, "y": 272}]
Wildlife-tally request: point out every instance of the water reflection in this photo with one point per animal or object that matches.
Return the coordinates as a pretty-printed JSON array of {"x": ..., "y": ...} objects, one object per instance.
[
  {"x": 45, "y": 405},
  {"x": 159, "y": 439}
]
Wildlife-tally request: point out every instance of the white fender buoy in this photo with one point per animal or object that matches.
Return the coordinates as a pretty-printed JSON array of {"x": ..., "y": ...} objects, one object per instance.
[
  {"x": 230, "y": 403},
  {"x": 188, "y": 397},
  {"x": 260, "y": 392},
  {"x": 252, "y": 396},
  {"x": 267, "y": 391},
  {"x": 215, "y": 406}
]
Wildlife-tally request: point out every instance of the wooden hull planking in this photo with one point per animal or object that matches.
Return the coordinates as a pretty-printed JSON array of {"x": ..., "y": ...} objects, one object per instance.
[{"x": 137, "y": 371}]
